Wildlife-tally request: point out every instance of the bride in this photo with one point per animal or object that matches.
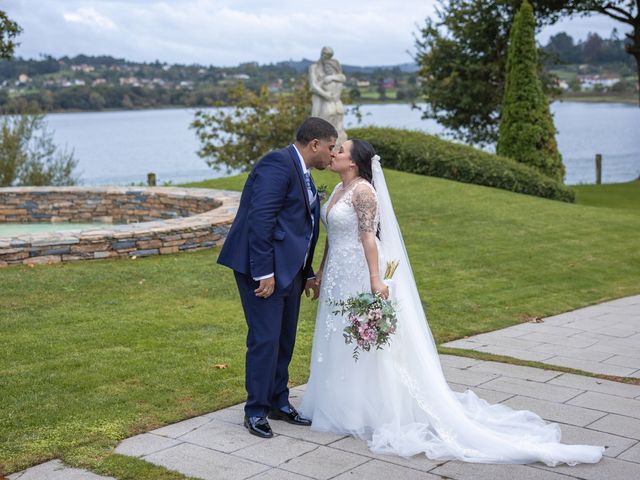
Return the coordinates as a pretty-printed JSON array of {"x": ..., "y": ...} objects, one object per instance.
[{"x": 397, "y": 398}]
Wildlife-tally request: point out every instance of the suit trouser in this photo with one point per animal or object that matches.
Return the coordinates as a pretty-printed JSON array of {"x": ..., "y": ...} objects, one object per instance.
[{"x": 271, "y": 337}]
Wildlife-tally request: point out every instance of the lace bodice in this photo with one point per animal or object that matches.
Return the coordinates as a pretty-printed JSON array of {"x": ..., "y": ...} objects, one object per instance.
[{"x": 354, "y": 213}]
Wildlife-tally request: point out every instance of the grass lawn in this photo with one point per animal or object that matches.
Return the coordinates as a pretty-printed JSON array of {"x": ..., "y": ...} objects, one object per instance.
[
  {"x": 613, "y": 195},
  {"x": 94, "y": 352}
]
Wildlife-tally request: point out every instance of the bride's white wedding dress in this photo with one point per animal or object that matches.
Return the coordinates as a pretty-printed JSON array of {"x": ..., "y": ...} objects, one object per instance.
[{"x": 397, "y": 398}]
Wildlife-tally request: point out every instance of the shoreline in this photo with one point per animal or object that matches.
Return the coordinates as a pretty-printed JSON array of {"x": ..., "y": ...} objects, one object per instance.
[
  {"x": 597, "y": 99},
  {"x": 572, "y": 99}
]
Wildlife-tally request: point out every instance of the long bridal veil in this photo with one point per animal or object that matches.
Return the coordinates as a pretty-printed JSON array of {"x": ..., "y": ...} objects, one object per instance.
[{"x": 437, "y": 421}]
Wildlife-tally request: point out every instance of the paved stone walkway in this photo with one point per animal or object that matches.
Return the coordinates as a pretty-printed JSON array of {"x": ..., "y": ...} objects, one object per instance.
[
  {"x": 603, "y": 338},
  {"x": 56, "y": 470},
  {"x": 216, "y": 445}
]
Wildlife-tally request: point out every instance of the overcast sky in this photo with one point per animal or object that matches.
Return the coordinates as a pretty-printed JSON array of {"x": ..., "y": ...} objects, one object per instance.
[{"x": 225, "y": 32}]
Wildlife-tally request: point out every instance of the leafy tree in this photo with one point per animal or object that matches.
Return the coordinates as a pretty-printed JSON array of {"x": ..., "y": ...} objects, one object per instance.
[
  {"x": 461, "y": 55},
  {"x": 9, "y": 30},
  {"x": 625, "y": 11},
  {"x": 237, "y": 138},
  {"x": 462, "y": 52},
  {"x": 28, "y": 155},
  {"x": 527, "y": 133},
  {"x": 562, "y": 47},
  {"x": 574, "y": 84},
  {"x": 593, "y": 48},
  {"x": 381, "y": 89}
]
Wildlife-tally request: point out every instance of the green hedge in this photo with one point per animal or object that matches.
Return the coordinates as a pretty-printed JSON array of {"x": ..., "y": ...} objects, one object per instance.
[{"x": 417, "y": 152}]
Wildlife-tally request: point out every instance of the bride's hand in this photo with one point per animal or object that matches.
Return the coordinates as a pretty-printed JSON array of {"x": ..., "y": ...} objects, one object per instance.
[{"x": 378, "y": 286}]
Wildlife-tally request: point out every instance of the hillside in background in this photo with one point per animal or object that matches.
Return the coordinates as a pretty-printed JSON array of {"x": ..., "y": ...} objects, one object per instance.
[
  {"x": 595, "y": 66},
  {"x": 103, "y": 82}
]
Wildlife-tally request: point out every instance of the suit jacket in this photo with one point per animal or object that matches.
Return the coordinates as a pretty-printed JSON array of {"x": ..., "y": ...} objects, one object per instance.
[{"x": 273, "y": 227}]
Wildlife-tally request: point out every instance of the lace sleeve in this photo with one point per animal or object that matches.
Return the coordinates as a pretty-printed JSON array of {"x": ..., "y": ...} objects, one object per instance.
[{"x": 365, "y": 203}]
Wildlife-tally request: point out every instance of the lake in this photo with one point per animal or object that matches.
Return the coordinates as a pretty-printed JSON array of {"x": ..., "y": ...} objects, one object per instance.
[{"x": 122, "y": 147}]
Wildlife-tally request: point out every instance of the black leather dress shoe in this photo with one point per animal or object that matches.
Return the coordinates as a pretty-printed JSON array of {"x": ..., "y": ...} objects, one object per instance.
[
  {"x": 258, "y": 426},
  {"x": 289, "y": 415}
]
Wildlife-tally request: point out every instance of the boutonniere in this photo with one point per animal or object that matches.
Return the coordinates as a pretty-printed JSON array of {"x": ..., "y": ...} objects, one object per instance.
[{"x": 322, "y": 192}]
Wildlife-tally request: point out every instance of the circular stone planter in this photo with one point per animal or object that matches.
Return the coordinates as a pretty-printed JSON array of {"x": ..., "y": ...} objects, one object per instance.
[{"x": 167, "y": 220}]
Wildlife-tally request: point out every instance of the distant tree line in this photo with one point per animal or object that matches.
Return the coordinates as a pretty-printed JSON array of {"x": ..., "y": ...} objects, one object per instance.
[
  {"x": 594, "y": 50},
  {"x": 87, "y": 82},
  {"x": 103, "y": 97}
]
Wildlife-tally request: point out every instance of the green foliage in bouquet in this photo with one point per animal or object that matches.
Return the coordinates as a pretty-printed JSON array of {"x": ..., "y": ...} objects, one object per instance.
[{"x": 371, "y": 320}]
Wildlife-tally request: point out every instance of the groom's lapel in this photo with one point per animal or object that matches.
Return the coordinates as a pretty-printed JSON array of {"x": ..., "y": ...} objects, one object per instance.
[{"x": 296, "y": 164}]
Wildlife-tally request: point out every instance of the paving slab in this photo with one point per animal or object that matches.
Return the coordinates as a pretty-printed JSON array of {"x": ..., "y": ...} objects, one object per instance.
[
  {"x": 603, "y": 339},
  {"x": 614, "y": 444},
  {"x": 205, "y": 463},
  {"x": 608, "y": 403},
  {"x": 515, "y": 371},
  {"x": 556, "y": 412},
  {"x": 619, "y": 425},
  {"x": 594, "y": 384},
  {"x": 304, "y": 433},
  {"x": 470, "y": 471},
  {"x": 276, "y": 451},
  {"x": 55, "y": 470},
  {"x": 221, "y": 436},
  {"x": 491, "y": 396},
  {"x": 468, "y": 377},
  {"x": 606, "y": 469},
  {"x": 523, "y": 354},
  {"x": 278, "y": 474},
  {"x": 458, "y": 362},
  {"x": 582, "y": 353},
  {"x": 591, "y": 366},
  {"x": 632, "y": 454},
  {"x": 528, "y": 388},
  {"x": 377, "y": 469},
  {"x": 145, "y": 444},
  {"x": 324, "y": 463},
  {"x": 417, "y": 462},
  {"x": 176, "y": 430},
  {"x": 623, "y": 360}
]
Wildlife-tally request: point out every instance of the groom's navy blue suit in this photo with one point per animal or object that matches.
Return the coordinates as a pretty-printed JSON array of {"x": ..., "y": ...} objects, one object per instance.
[{"x": 275, "y": 231}]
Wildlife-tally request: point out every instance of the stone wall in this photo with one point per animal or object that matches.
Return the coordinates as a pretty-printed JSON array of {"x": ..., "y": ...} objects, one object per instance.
[
  {"x": 209, "y": 214},
  {"x": 108, "y": 205}
]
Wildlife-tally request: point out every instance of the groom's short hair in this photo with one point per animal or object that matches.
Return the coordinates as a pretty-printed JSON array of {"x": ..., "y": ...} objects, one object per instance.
[{"x": 315, "y": 127}]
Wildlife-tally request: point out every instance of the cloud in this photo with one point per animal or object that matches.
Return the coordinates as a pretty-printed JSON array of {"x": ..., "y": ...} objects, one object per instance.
[
  {"x": 228, "y": 32},
  {"x": 90, "y": 17}
]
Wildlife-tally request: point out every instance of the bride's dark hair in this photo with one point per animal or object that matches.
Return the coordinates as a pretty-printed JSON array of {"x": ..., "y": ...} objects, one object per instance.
[{"x": 362, "y": 152}]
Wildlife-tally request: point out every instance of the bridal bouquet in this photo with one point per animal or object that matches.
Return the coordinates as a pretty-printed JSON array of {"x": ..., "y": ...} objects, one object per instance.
[{"x": 371, "y": 319}]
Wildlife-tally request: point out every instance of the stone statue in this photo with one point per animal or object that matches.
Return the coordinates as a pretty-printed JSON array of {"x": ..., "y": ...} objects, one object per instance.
[{"x": 326, "y": 82}]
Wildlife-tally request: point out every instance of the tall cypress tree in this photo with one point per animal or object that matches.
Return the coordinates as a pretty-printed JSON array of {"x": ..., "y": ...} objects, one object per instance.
[{"x": 527, "y": 133}]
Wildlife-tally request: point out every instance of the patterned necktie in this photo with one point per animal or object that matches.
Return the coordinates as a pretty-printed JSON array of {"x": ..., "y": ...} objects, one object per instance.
[{"x": 311, "y": 189}]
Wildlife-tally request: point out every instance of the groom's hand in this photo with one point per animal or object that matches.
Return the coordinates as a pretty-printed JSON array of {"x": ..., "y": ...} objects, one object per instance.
[
  {"x": 266, "y": 287},
  {"x": 312, "y": 284}
]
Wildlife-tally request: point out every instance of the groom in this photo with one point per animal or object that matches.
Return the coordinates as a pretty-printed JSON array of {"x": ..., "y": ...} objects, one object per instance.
[{"x": 270, "y": 249}]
